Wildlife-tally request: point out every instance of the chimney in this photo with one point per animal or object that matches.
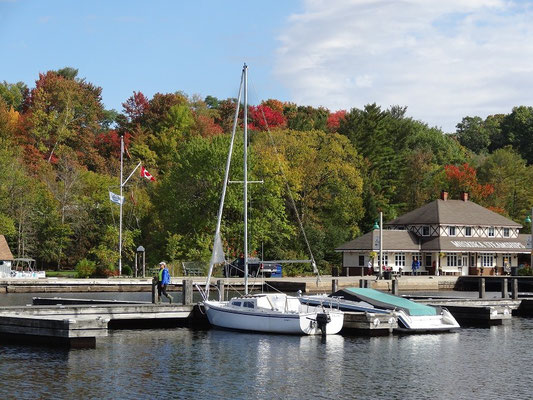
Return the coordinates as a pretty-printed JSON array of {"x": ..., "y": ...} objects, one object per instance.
[
  {"x": 444, "y": 195},
  {"x": 464, "y": 196}
]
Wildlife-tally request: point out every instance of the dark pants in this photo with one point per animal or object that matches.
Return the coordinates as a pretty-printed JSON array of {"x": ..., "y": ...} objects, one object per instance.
[{"x": 162, "y": 289}]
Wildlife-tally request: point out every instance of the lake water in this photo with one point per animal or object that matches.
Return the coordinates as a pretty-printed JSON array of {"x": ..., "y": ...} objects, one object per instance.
[{"x": 484, "y": 363}]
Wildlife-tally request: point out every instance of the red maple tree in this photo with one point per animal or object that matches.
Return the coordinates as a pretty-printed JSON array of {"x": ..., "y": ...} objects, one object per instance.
[
  {"x": 263, "y": 117},
  {"x": 463, "y": 178}
]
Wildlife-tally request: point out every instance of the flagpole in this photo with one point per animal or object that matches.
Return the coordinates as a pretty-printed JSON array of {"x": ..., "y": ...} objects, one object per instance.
[{"x": 121, "y": 196}]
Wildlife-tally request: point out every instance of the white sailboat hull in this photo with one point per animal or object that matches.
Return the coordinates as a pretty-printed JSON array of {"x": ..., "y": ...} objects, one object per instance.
[{"x": 301, "y": 322}]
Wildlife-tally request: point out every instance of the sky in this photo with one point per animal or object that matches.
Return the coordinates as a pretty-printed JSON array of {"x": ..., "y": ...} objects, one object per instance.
[{"x": 443, "y": 60}]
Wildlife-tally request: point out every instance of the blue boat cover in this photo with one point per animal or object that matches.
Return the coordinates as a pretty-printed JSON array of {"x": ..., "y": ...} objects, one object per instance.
[{"x": 386, "y": 301}]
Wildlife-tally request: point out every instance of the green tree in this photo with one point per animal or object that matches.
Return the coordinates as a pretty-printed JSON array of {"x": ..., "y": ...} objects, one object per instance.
[
  {"x": 507, "y": 172},
  {"x": 472, "y": 134}
]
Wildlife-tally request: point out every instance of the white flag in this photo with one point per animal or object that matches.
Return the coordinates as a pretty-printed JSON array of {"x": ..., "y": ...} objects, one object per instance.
[
  {"x": 115, "y": 198},
  {"x": 218, "y": 252}
]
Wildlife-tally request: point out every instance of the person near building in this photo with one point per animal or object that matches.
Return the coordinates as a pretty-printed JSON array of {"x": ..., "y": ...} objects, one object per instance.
[{"x": 415, "y": 266}]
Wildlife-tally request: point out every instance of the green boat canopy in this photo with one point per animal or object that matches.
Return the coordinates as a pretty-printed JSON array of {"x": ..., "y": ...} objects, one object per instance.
[{"x": 386, "y": 301}]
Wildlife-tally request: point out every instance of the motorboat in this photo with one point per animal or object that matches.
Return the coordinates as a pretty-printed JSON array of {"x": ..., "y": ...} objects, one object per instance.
[{"x": 412, "y": 316}]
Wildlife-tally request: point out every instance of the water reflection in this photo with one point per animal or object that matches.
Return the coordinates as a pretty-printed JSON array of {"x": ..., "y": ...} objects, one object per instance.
[{"x": 182, "y": 363}]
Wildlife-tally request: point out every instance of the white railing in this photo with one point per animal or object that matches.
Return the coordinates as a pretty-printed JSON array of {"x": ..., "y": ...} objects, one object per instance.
[{"x": 5, "y": 271}]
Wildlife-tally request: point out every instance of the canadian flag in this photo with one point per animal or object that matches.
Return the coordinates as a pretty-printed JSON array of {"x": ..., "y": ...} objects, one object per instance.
[{"x": 146, "y": 174}]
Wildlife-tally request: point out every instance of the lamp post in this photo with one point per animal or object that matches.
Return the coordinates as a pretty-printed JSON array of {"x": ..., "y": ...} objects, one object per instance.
[
  {"x": 380, "y": 257},
  {"x": 528, "y": 221}
]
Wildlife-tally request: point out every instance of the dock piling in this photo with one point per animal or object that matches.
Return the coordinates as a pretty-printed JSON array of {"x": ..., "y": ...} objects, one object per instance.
[
  {"x": 395, "y": 289},
  {"x": 155, "y": 298},
  {"x": 505, "y": 289},
  {"x": 334, "y": 285},
  {"x": 187, "y": 292},
  {"x": 515, "y": 289},
  {"x": 481, "y": 288}
]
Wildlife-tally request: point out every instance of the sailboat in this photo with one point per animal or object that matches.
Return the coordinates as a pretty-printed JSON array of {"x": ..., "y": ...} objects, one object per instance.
[{"x": 266, "y": 312}]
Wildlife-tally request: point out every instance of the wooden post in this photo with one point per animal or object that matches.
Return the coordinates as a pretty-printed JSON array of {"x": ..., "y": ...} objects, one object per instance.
[
  {"x": 334, "y": 285},
  {"x": 515, "y": 289},
  {"x": 136, "y": 257},
  {"x": 154, "y": 290},
  {"x": 220, "y": 286},
  {"x": 395, "y": 289},
  {"x": 481, "y": 288},
  {"x": 187, "y": 292},
  {"x": 505, "y": 289}
]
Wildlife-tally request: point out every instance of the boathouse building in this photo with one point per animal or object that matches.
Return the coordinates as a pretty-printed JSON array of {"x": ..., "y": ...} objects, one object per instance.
[{"x": 450, "y": 237}]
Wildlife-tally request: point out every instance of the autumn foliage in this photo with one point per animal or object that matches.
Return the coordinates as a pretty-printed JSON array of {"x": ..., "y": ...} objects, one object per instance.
[
  {"x": 463, "y": 178},
  {"x": 263, "y": 117}
]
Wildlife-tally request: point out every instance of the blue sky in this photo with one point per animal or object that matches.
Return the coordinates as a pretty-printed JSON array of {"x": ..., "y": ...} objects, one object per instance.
[
  {"x": 197, "y": 47},
  {"x": 444, "y": 60}
]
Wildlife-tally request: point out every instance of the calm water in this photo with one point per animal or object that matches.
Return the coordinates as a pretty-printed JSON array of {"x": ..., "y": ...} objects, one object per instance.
[{"x": 490, "y": 363}]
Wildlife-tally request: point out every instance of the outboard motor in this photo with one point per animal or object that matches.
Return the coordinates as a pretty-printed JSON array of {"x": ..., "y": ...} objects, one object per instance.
[{"x": 322, "y": 320}]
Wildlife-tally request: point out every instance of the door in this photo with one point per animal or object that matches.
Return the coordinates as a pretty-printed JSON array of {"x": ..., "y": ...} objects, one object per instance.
[{"x": 464, "y": 263}]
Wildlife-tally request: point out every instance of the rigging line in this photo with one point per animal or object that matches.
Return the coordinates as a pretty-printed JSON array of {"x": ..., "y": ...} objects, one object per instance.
[{"x": 289, "y": 190}]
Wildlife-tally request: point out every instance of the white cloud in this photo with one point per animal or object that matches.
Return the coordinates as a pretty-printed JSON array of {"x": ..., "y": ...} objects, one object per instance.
[{"x": 443, "y": 59}]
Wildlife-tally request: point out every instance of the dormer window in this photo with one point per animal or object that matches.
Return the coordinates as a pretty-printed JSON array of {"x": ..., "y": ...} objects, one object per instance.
[
  {"x": 425, "y": 231},
  {"x": 468, "y": 231},
  {"x": 506, "y": 232},
  {"x": 451, "y": 230},
  {"x": 491, "y": 231}
]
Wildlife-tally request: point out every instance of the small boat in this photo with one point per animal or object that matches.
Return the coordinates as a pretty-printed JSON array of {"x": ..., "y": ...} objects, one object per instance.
[
  {"x": 412, "y": 317},
  {"x": 272, "y": 313}
]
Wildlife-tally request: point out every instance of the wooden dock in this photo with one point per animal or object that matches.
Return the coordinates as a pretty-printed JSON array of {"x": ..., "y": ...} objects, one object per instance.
[{"x": 80, "y": 325}]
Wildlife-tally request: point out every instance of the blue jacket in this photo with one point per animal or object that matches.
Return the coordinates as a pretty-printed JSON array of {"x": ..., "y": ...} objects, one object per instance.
[{"x": 164, "y": 277}]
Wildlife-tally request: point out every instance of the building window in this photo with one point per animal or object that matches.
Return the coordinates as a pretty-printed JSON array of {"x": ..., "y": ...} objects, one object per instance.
[
  {"x": 487, "y": 259},
  {"x": 425, "y": 231},
  {"x": 491, "y": 231},
  {"x": 451, "y": 230},
  {"x": 361, "y": 261},
  {"x": 428, "y": 260},
  {"x": 384, "y": 259},
  {"x": 451, "y": 259},
  {"x": 399, "y": 260},
  {"x": 468, "y": 231},
  {"x": 505, "y": 232}
]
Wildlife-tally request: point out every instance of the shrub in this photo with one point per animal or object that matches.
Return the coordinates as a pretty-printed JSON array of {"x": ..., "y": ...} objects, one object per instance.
[
  {"x": 85, "y": 268},
  {"x": 126, "y": 270},
  {"x": 525, "y": 271},
  {"x": 105, "y": 271}
]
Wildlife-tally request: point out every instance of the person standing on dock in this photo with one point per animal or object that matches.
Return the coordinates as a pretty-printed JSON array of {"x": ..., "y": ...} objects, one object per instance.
[{"x": 163, "y": 279}]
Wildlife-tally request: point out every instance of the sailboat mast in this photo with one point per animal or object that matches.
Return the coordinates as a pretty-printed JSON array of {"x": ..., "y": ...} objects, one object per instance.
[
  {"x": 245, "y": 70},
  {"x": 215, "y": 258}
]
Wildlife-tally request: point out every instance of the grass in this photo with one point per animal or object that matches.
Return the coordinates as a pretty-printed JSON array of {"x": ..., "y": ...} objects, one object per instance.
[{"x": 62, "y": 274}]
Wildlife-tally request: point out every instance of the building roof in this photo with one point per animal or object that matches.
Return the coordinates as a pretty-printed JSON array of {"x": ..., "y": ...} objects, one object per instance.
[
  {"x": 5, "y": 252},
  {"x": 392, "y": 240},
  {"x": 453, "y": 212}
]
